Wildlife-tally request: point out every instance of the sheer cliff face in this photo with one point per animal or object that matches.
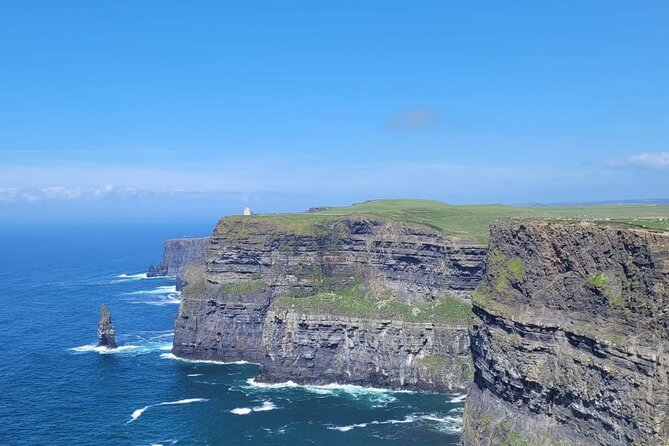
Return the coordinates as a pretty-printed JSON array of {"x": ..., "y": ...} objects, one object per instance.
[
  {"x": 321, "y": 349},
  {"x": 229, "y": 314},
  {"x": 178, "y": 254},
  {"x": 571, "y": 338}
]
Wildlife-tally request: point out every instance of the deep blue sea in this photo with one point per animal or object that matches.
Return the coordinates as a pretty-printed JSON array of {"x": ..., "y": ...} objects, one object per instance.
[{"x": 56, "y": 388}]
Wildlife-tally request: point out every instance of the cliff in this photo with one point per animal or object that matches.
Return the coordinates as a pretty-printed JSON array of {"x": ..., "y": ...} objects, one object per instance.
[
  {"x": 178, "y": 254},
  {"x": 388, "y": 353},
  {"x": 570, "y": 337},
  {"x": 357, "y": 299}
]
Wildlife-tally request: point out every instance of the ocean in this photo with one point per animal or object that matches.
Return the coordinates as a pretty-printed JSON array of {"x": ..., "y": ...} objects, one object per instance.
[{"x": 57, "y": 388}]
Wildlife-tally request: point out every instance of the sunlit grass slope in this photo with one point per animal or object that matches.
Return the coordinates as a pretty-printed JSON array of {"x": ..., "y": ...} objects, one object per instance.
[{"x": 468, "y": 222}]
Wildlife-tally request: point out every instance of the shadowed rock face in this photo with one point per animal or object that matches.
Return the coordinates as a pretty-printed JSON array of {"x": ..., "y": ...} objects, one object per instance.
[
  {"x": 228, "y": 314},
  {"x": 322, "y": 348},
  {"x": 178, "y": 255},
  {"x": 106, "y": 331},
  {"x": 571, "y": 338}
]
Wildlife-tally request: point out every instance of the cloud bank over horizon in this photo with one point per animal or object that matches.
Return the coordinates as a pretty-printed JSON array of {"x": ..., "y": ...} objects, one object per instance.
[{"x": 339, "y": 184}]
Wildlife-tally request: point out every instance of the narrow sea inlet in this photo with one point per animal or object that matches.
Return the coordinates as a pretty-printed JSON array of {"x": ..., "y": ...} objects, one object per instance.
[{"x": 59, "y": 388}]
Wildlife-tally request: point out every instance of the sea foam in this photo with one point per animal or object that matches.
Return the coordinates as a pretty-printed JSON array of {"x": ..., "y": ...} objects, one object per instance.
[
  {"x": 103, "y": 350},
  {"x": 138, "y": 412},
  {"x": 459, "y": 398},
  {"x": 201, "y": 361},
  {"x": 162, "y": 295},
  {"x": 443, "y": 424},
  {"x": 380, "y": 397},
  {"x": 138, "y": 345},
  {"x": 137, "y": 276},
  {"x": 186, "y": 401},
  {"x": 164, "y": 289},
  {"x": 266, "y": 406}
]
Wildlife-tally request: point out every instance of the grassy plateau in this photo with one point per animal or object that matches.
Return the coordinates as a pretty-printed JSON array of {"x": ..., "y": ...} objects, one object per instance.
[{"x": 471, "y": 222}]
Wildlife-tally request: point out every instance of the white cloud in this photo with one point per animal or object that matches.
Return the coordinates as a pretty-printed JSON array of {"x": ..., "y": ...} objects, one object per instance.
[
  {"x": 413, "y": 119},
  {"x": 107, "y": 192},
  {"x": 30, "y": 184},
  {"x": 651, "y": 160}
]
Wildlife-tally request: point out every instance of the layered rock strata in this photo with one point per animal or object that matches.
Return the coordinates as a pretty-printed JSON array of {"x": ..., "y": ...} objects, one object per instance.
[
  {"x": 230, "y": 313},
  {"x": 320, "y": 349},
  {"x": 571, "y": 338}
]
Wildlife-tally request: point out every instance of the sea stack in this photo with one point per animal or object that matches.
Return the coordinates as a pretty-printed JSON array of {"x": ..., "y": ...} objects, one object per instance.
[{"x": 106, "y": 331}]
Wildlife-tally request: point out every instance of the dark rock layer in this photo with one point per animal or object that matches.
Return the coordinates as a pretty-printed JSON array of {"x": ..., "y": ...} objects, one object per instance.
[
  {"x": 571, "y": 338},
  {"x": 106, "y": 330}
]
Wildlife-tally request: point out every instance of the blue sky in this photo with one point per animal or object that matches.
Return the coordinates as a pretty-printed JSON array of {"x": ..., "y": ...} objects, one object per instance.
[{"x": 143, "y": 110}]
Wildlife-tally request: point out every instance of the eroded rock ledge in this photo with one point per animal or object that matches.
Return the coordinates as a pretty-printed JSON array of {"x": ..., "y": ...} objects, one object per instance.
[{"x": 570, "y": 340}]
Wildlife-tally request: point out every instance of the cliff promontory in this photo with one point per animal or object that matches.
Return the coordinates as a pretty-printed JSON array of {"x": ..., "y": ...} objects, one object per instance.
[
  {"x": 356, "y": 299},
  {"x": 570, "y": 339},
  {"x": 178, "y": 255}
]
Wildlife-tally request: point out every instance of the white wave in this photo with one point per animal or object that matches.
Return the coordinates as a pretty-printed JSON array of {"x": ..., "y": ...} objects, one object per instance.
[
  {"x": 348, "y": 388},
  {"x": 133, "y": 276},
  {"x": 164, "y": 289},
  {"x": 445, "y": 424},
  {"x": 103, "y": 350},
  {"x": 195, "y": 374},
  {"x": 459, "y": 398},
  {"x": 141, "y": 348},
  {"x": 407, "y": 419},
  {"x": 169, "y": 334},
  {"x": 347, "y": 428},
  {"x": 137, "y": 413},
  {"x": 448, "y": 424},
  {"x": 166, "y": 295},
  {"x": 186, "y": 401},
  {"x": 170, "y": 299},
  {"x": 379, "y": 396},
  {"x": 266, "y": 405},
  {"x": 445, "y": 419},
  {"x": 287, "y": 384},
  {"x": 200, "y": 361}
]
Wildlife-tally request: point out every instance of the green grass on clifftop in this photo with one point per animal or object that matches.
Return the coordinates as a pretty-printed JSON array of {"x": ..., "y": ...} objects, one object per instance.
[
  {"x": 447, "y": 310},
  {"x": 468, "y": 222}
]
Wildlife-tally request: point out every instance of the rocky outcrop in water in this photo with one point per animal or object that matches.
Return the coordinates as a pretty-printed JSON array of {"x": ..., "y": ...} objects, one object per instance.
[
  {"x": 178, "y": 255},
  {"x": 231, "y": 312},
  {"x": 106, "y": 330},
  {"x": 571, "y": 338}
]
